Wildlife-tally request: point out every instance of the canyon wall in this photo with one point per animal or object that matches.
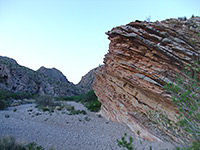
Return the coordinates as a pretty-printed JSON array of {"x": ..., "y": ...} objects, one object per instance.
[{"x": 142, "y": 58}]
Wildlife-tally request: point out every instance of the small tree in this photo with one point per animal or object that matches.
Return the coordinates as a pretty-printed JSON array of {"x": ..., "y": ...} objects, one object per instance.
[{"x": 186, "y": 96}]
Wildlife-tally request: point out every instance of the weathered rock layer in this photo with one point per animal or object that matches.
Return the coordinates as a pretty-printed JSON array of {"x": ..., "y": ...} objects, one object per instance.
[{"x": 142, "y": 57}]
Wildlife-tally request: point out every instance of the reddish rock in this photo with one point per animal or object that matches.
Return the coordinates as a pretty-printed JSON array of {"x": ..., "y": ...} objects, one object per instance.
[{"x": 142, "y": 57}]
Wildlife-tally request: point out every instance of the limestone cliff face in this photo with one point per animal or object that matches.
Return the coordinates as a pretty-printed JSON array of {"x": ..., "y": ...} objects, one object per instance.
[{"x": 142, "y": 57}]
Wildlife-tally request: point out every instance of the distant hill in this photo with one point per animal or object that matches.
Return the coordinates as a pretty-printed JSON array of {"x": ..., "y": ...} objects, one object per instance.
[
  {"x": 17, "y": 78},
  {"x": 54, "y": 74},
  {"x": 86, "y": 82}
]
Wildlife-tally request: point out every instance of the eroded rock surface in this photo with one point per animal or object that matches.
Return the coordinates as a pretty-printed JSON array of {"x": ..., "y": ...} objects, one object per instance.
[{"x": 142, "y": 57}]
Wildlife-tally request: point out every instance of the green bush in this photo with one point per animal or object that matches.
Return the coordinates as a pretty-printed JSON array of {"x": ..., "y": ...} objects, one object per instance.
[
  {"x": 3, "y": 104},
  {"x": 186, "y": 96},
  {"x": 6, "y": 97},
  {"x": 89, "y": 100},
  {"x": 34, "y": 146},
  {"x": 9, "y": 143},
  {"x": 46, "y": 100},
  {"x": 124, "y": 143},
  {"x": 93, "y": 105}
]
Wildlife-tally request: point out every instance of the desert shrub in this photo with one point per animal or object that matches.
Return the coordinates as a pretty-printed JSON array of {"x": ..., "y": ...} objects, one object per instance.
[
  {"x": 69, "y": 107},
  {"x": 9, "y": 143},
  {"x": 34, "y": 146},
  {"x": 186, "y": 96},
  {"x": 46, "y": 100},
  {"x": 124, "y": 143},
  {"x": 6, "y": 97},
  {"x": 76, "y": 112},
  {"x": 89, "y": 100},
  {"x": 3, "y": 104},
  {"x": 5, "y": 94},
  {"x": 93, "y": 105},
  {"x": 47, "y": 103}
]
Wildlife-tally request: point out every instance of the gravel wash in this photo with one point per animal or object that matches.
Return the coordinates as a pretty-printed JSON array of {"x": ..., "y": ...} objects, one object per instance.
[{"x": 61, "y": 131}]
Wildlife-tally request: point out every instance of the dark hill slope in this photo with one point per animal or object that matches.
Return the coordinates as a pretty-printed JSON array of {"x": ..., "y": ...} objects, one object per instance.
[{"x": 17, "y": 78}]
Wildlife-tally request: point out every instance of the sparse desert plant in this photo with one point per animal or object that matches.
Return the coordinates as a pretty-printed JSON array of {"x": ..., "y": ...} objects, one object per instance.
[
  {"x": 7, "y": 116},
  {"x": 186, "y": 96},
  {"x": 9, "y": 143},
  {"x": 45, "y": 100},
  {"x": 124, "y": 143},
  {"x": 6, "y": 97},
  {"x": 47, "y": 103},
  {"x": 34, "y": 146},
  {"x": 89, "y": 100},
  {"x": 87, "y": 118},
  {"x": 69, "y": 107},
  {"x": 76, "y": 112},
  {"x": 93, "y": 105},
  {"x": 3, "y": 104}
]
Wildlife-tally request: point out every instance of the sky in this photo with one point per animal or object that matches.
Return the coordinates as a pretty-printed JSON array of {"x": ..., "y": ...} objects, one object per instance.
[{"x": 70, "y": 34}]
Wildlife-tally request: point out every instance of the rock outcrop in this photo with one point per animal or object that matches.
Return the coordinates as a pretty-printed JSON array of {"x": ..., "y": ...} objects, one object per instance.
[
  {"x": 142, "y": 57},
  {"x": 16, "y": 78},
  {"x": 86, "y": 83},
  {"x": 54, "y": 74}
]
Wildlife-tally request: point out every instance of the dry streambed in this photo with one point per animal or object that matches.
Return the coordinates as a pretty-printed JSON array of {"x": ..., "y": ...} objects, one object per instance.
[{"x": 62, "y": 131}]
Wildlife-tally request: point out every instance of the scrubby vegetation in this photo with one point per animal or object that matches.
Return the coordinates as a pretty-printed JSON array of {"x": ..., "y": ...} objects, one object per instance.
[
  {"x": 9, "y": 143},
  {"x": 124, "y": 143},
  {"x": 6, "y": 97},
  {"x": 89, "y": 100},
  {"x": 186, "y": 96},
  {"x": 47, "y": 103}
]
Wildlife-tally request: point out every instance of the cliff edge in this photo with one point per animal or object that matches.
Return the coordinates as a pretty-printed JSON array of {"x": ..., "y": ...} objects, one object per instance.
[{"x": 142, "y": 57}]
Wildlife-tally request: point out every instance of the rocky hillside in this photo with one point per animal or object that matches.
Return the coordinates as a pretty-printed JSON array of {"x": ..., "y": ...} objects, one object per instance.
[
  {"x": 16, "y": 78},
  {"x": 54, "y": 74},
  {"x": 142, "y": 57},
  {"x": 86, "y": 83}
]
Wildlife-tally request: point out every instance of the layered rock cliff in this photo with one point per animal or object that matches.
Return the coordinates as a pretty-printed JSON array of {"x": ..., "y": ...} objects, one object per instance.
[
  {"x": 17, "y": 78},
  {"x": 142, "y": 57}
]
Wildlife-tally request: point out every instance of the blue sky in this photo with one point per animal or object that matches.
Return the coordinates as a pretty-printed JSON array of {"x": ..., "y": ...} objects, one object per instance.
[{"x": 70, "y": 34}]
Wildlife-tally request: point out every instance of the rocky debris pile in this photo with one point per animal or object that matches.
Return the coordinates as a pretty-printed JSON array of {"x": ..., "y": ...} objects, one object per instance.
[{"x": 142, "y": 57}]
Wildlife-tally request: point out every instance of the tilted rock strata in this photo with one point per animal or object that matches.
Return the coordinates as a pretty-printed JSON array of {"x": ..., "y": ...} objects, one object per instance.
[{"x": 142, "y": 57}]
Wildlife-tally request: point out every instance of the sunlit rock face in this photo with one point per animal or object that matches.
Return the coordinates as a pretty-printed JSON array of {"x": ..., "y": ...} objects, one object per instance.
[{"x": 142, "y": 57}]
